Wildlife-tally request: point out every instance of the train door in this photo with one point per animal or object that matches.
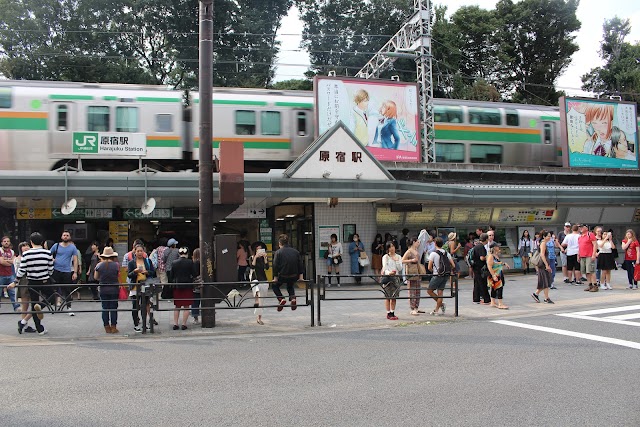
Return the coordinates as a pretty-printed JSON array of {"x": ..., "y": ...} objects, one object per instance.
[
  {"x": 301, "y": 131},
  {"x": 61, "y": 127},
  {"x": 549, "y": 154}
]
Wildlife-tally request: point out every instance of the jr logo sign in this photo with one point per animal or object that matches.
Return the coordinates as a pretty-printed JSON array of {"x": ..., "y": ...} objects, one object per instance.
[{"x": 85, "y": 142}]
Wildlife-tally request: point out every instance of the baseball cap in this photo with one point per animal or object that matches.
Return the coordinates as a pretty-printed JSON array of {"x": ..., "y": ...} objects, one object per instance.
[
  {"x": 584, "y": 225},
  {"x": 172, "y": 242},
  {"x": 567, "y": 224}
]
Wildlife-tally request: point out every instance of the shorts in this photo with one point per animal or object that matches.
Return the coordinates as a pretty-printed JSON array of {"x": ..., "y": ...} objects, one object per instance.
[
  {"x": 563, "y": 260},
  {"x": 391, "y": 286},
  {"x": 572, "y": 262},
  {"x": 587, "y": 265},
  {"x": 437, "y": 283}
]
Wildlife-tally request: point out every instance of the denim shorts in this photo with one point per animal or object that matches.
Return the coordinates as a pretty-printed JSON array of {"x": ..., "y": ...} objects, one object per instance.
[{"x": 438, "y": 282}]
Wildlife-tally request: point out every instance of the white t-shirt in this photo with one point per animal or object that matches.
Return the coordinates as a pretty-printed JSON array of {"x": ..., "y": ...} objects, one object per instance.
[
  {"x": 604, "y": 246},
  {"x": 435, "y": 257},
  {"x": 335, "y": 249},
  {"x": 572, "y": 244},
  {"x": 390, "y": 264}
]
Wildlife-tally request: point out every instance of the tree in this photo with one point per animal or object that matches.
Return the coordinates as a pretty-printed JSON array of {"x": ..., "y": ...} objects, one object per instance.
[
  {"x": 620, "y": 74},
  {"x": 293, "y": 84},
  {"x": 537, "y": 43}
]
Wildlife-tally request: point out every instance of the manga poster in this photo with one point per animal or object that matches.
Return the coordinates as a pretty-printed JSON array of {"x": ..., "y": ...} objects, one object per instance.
[
  {"x": 600, "y": 133},
  {"x": 383, "y": 115}
]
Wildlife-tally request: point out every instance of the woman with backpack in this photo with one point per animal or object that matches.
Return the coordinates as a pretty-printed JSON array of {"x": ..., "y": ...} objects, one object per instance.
[{"x": 495, "y": 280}]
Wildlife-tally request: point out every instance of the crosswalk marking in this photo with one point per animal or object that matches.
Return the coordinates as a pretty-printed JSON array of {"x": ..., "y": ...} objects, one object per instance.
[
  {"x": 556, "y": 331},
  {"x": 620, "y": 319},
  {"x": 625, "y": 316}
]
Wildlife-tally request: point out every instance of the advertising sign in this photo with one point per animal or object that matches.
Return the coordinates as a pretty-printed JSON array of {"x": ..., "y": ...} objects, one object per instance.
[
  {"x": 383, "y": 115},
  {"x": 110, "y": 143},
  {"x": 600, "y": 133}
]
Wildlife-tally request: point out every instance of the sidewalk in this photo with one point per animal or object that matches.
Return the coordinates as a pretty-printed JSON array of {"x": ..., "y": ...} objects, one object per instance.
[{"x": 334, "y": 314}]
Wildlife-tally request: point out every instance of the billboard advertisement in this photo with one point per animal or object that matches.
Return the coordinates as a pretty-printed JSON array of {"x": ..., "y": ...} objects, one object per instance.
[
  {"x": 600, "y": 133},
  {"x": 383, "y": 115}
]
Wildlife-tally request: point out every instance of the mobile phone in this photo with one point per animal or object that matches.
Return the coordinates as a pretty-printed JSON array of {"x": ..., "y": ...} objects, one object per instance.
[{"x": 260, "y": 251}]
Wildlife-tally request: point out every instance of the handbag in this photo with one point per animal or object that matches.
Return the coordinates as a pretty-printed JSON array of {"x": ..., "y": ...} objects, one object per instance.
[
  {"x": 363, "y": 261},
  {"x": 337, "y": 260},
  {"x": 636, "y": 272},
  {"x": 535, "y": 258},
  {"x": 123, "y": 295},
  {"x": 422, "y": 269},
  {"x": 167, "y": 292}
]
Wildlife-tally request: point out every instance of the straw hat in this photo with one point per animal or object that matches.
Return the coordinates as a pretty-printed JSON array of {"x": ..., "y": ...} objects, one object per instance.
[
  {"x": 452, "y": 236},
  {"x": 108, "y": 253}
]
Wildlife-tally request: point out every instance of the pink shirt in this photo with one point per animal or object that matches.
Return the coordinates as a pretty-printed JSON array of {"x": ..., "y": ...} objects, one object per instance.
[{"x": 585, "y": 242}]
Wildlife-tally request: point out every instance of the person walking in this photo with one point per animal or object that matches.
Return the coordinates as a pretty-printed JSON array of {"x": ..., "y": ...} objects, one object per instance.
[
  {"x": 258, "y": 265},
  {"x": 287, "y": 269},
  {"x": 182, "y": 274},
  {"x": 37, "y": 265},
  {"x": 411, "y": 261},
  {"x": 631, "y": 250},
  {"x": 334, "y": 258},
  {"x": 495, "y": 280},
  {"x": 544, "y": 269},
  {"x": 65, "y": 267},
  {"x": 438, "y": 264},
  {"x": 524, "y": 249},
  {"x": 106, "y": 274},
  {"x": 22, "y": 292},
  {"x": 392, "y": 280},
  {"x": 356, "y": 247}
]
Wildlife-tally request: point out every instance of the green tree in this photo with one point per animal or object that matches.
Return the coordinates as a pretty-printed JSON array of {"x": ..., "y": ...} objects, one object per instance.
[
  {"x": 620, "y": 74},
  {"x": 293, "y": 84}
]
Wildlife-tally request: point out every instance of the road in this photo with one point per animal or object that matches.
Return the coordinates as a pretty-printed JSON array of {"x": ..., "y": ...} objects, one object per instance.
[{"x": 450, "y": 373}]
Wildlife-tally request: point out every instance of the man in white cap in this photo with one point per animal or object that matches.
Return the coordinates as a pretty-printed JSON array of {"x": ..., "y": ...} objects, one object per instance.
[
  {"x": 563, "y": 251},
  {"x": 170, "y": 254}
]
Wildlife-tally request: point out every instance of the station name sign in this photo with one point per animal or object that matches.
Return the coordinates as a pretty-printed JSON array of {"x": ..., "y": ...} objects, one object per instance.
[{"x": 110, "y": 143}]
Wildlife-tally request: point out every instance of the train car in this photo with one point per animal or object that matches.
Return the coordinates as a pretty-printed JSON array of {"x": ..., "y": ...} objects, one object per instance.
[{"x": 38, "y": 119}]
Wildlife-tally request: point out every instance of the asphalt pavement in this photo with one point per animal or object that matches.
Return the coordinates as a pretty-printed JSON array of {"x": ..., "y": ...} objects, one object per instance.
[{"x": 336, "y": 312}]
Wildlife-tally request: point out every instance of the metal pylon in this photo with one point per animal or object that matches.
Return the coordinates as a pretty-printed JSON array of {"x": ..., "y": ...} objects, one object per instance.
[{"x": 413, "y": 40}]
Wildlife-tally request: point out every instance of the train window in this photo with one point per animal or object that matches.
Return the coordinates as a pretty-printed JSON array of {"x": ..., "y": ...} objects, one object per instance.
[
  {"x": 447, "y": 114},
  {"x": 301, "y": 123},
  {"x": 62, "y": 117},
  {"x": 512, "y": 118},
  {"x": 449, "y": 153},
  {"x": 485, "y": 153},
  {"x": 484, "y": 116},
  {"x": 126, "y": 119},
  {"x": 164, "y": 122},
  {"x": 5, "y": 97},
  {"x": 547, "y": 134},
  {"x": 245, "y": 122},
  {"x": 98, "y": 119},
  {"x": 270, "y": 122}
]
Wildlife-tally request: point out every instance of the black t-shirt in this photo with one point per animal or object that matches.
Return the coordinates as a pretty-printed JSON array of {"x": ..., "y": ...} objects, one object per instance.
[{"x": 479, "y": 251}]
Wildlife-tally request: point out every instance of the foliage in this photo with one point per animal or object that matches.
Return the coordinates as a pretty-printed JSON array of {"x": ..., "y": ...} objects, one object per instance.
[
  {"x": 620, "y": 75},
  {"x": 293, "y": 84}
]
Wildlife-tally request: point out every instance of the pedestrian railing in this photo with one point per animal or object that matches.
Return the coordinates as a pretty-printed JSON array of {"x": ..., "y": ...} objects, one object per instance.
[{"x": 370, "y": 287}]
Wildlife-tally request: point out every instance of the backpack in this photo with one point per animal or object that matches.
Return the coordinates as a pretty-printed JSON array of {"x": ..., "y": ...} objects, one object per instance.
[
  {"x": 444, "y": 266},
  {"x": 470, "y": 261}
]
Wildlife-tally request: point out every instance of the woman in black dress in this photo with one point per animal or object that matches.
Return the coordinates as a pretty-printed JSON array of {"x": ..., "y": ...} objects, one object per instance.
[
  {"x": 544, "y": 269},
  {"x": 258, "y": 263}
]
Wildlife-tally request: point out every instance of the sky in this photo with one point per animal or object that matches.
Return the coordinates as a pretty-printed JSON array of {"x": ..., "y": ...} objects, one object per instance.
[{"x": 293, "y": 61}]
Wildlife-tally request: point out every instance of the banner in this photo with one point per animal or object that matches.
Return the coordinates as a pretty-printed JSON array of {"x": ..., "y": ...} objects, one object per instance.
[
  {"x": 383, "y": 115},
  {"x": 600, "y": 134}
]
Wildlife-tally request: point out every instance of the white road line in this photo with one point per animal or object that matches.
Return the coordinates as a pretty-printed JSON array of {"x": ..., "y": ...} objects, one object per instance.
[
  {"x": 598, "y": 338},
  {"x": 608, "y": 310},
  {"x": 625, "y": 316},
  {"x": 599, "y": 319}
]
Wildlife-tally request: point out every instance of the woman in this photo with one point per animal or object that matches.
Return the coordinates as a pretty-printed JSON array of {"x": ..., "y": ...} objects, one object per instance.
[
  {"x": 139, "y": 270},
  {"x": 106, "y": 274},
  {"x": 552, "y": 244},
  {"x": 258, "y": 276},
  {"x": 495, "y": 280},
  {"x": 453, "y": 246},
  {"x": 334, "y": 258},
  {"x": 392, "y": 270},
  {"x": 544, "y": 269},
  {"x": 23, "y": 292},
  {"x": 195, "y": 307},
  {"x": 524, "y": 249},
  {"x": 355, "y": 247},
  {"x": 377, "y": 251},
  {"x": 183, "y": 273},
  {"x": 598, "y": 118},
  {"x": 94, "y": 260},
  {"x": 387, "y": 135},
  {"x": 631, "y": 250},
  {"x": 242, "y": 255},
  {"x": 605, "y": 259},
  {"x": 411, "y": 259}
]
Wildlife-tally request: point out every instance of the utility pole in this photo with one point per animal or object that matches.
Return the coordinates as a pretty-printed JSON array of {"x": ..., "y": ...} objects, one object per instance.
[
  {"x": 412, "y": 41},
  {"x": 206, "y": 160}
]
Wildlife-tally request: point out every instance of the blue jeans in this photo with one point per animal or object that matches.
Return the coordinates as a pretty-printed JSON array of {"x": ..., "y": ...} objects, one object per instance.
[
  {"x": 4, "y": 281},
  {"x": 195, "y": 307},
  {"x": 109, "y": 309},
  {"x": 552, "y": 264}
]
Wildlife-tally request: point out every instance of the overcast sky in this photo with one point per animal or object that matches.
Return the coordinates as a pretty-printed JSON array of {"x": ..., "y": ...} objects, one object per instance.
[{"x": 591, "y": 13}]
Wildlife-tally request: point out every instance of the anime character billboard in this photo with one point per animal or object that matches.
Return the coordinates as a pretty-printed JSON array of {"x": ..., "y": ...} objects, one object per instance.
[
  {"x": 600, "y": 133},
  {"x": 383, "y": 115}
]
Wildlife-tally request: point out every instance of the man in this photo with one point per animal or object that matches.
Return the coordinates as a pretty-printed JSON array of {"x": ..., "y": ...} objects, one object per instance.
[
  {"x": 65, "y": 267},
  {"x": 491, "y": 235},
  {"x": 403, "y": 241},
  {"x": 563, "y": 251},
  {"x": 161, "y": 268},
  {"x": 170, "y": 254},
  {"x": 587, "y": 254},
  {"x": 287, "y": 270},
  {"x": 479, "y": 260},
  {"x": 37, "y": 264},
  {"x": 7, "y": 256},
  {"x": 439, "y": 279},
  {"x": 570, "y": 243}
]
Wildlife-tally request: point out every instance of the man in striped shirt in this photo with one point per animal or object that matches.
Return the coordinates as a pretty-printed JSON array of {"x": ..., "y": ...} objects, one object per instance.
[{"x": 37, "y": 265}]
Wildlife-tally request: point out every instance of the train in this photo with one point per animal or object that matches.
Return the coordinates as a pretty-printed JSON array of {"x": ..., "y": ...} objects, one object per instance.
[{"x": 38, "y": 120}]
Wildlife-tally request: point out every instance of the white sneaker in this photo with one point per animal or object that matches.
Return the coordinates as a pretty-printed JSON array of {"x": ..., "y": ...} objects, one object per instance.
[
  {"x": 137, "y": 329},
  {"x": 43, "y": 332},
  {"x": 69, "y": 312},
  {"x": 603, "y": 286},
  {"x": 414, "y": 313},
  {"x": 609, "y": 286}
]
